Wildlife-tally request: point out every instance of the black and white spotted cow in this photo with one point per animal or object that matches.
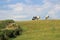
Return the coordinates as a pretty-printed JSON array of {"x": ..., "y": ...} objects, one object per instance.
[
  {"x": 46, "y": 17},
  {"x": 36, "y": 18}
]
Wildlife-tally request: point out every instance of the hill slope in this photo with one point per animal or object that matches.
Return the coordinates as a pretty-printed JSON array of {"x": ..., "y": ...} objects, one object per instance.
[{"x": 40, "y": 30}]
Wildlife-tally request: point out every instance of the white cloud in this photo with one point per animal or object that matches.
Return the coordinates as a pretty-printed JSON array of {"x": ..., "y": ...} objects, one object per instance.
[
  {"x": 38, "y": 9},
  {"x": 16, "y": 7},
  {"x": 20, "y": 16},
  {"x": 57, "y": 7}
]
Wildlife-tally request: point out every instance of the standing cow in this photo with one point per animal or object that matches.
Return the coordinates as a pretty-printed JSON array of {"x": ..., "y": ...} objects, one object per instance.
[
  {"x": 46, "y": 17},
  {"x": 36, "y": 18}
]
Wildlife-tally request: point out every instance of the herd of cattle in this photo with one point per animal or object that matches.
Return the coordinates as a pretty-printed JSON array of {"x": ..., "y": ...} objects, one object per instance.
[{"x": 38, "y": 17}]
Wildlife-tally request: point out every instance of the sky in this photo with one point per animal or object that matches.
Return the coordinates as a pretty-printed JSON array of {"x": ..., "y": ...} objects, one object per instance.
[{"x": 26, "y": 9}]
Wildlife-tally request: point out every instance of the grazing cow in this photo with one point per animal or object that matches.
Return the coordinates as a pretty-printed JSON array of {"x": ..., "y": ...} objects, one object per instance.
[
  {"x": 46, "y": 17},
  {"x": 36, "y": 18}
]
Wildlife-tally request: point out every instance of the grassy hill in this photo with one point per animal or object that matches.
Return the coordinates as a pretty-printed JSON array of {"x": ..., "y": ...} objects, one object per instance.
[{"x": 39, "y": 30}]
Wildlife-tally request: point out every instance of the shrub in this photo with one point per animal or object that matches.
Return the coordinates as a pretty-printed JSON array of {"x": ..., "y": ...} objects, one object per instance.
[
  {"x": 11, "y": 32},
  {"x": 3, "y": 36},
  {"x": 8, "y": 21},
  {"x": 18, "y": 32},
  {"x": 4, "y": 23}
]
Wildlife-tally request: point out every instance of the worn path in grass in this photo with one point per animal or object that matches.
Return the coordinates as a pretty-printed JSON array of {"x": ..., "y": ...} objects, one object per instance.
[{"x": 39, "y": 30}]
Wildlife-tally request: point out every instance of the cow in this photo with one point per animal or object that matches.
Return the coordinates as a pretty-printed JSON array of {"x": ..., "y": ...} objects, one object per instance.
[
  {"x": 36, "y": 18},
  {"x": 46, "y": 17}
]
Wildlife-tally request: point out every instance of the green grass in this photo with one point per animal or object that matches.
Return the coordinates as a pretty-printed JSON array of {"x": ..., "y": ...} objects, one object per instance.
[{"x": 39, "y": 30}]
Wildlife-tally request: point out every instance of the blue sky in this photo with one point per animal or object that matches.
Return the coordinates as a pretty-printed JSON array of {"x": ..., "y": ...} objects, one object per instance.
[{"x": 26, "y": 9}]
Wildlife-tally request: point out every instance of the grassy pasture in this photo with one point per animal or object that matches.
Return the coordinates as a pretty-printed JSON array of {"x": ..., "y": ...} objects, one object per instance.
[{"x": 39, "y": 30}]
